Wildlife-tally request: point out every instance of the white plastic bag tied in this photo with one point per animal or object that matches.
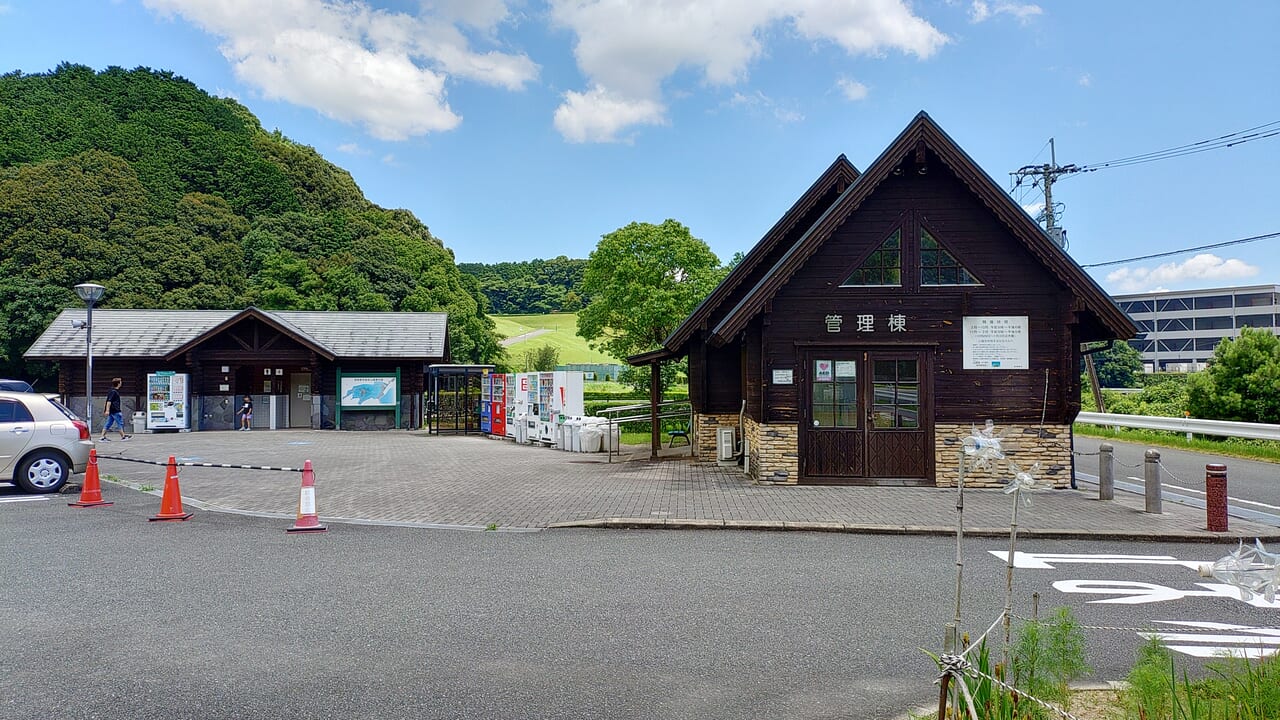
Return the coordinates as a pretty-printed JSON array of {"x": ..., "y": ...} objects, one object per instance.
[
  {"x": 1252, "y": 570},
  {"x": 982, "y": 447}
]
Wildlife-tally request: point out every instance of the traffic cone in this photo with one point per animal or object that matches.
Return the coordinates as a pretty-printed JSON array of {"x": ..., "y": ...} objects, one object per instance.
[
  {"x": 307, "y": 520},
  {"x": 91, "y": 492},
  {"x": 171, "y": 500}
]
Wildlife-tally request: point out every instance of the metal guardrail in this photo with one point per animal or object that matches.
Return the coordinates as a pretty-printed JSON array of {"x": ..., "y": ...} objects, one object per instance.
[
  {"x": 1223, "y": 428},
  {"x": 671, "y": 409}
]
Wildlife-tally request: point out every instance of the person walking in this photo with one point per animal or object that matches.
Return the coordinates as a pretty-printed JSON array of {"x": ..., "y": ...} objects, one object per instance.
[
  {"x": 114, "y": 412},
  {"x": 246, "y": 413}
]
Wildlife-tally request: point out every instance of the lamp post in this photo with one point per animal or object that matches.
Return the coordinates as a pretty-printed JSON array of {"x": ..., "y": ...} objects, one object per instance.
[{"x": 90, "y": 293}]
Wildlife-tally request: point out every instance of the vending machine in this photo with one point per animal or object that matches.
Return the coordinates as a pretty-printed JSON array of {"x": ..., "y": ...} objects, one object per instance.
[
  {"x": 497, "y": 405},
  {"x": 546, "y": 406},
  {"x": 532, "y": 419},
  {"x": 510, "y": 417},
  {"x": 566, "y": 401},
  {"x": 486, "y": 407},
  {"x": 167, "y": 401},
  {"x": 517, "y": 422}
]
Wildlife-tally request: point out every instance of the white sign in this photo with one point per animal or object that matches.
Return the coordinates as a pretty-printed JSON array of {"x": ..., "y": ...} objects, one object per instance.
[
  {"x": 846, "y": 368},
  {"x": 996, "y": 342},
  {"x": 782, "y": 377}
]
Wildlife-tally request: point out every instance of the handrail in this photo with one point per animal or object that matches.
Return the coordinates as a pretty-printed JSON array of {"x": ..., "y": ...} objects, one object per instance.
[
  {"x": 1224, "y": 428},
  {"x": 686, "y": 411}
]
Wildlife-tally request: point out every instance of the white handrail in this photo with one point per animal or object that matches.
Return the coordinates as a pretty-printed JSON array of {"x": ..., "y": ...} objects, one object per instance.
[{"x": 1223, "y": 428}]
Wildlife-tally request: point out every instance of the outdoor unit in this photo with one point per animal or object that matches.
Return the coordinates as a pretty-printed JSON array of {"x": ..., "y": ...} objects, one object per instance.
[{"x": 726, "y": 444}]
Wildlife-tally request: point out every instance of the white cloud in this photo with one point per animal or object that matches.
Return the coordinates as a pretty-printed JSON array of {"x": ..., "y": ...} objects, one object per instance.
[
  {"x": 852, "y": 89},
  {"x": 627, "y": 48},
  {"x": 982, "y": 10},
  {"x": 381, "y": 69},
  {"x": 1205, "y": 266},
  {"x": 598, "y": 115},
  {"x": 758, "y": 103},
  {"x": 1085, "y": 80},
  {"x": 390, "y": 159},
  {"x": 352, "y": 149}
]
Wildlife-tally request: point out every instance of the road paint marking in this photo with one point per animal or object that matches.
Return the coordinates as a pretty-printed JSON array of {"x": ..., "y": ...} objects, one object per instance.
[
  {"x": 1049, "y": 561},
  {"x": 1130, "y": 592},
  {"x": 22, "y": 499},
  {"x": 1202, "y": 493}
]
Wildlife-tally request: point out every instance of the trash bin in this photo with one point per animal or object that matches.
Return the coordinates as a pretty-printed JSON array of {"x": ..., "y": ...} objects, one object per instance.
[
  {"x": 139, "y": 423},
  {"x": 590, "y": 435}
]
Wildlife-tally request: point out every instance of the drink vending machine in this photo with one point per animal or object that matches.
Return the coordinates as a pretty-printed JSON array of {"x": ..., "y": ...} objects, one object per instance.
[
  {"x": 510, "y": 416},
  {"x": 561, "y": 399},
  {"x": 518, "y": 421},
  {"x": 486, "y": 407},
  {"x": 497, "y": 404},
  {"x": 546, "y": 390}
]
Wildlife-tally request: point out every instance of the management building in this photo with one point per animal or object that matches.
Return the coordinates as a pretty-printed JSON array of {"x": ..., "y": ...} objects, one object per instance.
[{"x": 1183, "y": 328}]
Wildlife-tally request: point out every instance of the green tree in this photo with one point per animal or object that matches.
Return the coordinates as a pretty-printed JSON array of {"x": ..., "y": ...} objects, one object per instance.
[
  {"x": 1242, "y": 382},
  {"x": 640, "y": 282},
  {"x": 1119, "y": 366},
  {"x": 543, "y": 359}
]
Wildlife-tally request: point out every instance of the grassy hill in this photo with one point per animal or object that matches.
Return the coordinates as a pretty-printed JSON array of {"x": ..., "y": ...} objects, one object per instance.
[{"x": 559, "y": 331}]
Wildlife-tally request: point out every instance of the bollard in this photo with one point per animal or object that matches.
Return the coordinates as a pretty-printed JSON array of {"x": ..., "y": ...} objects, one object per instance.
[
  {"x": 1151, "y": 474},
  {"x": 1106, "y": 472},
  {"x": 1215, "y": 501}
]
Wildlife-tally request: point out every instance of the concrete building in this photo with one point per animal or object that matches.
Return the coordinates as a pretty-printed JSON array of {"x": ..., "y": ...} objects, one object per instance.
[{"x": 1182, "y": 328}]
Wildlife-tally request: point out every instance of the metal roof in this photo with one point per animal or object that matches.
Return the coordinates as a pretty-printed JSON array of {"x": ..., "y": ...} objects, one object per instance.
[{"x": 156, "y": 333}]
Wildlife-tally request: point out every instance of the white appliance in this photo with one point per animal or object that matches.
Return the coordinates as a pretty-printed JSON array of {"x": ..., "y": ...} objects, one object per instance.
[
  {"x": 511, "y": 394},
  {"x": 168, "y": 401},
  {"x": 566, "y": 402},
  {"x": 518, "y": 421},
  {"x": 726, "y": 444}
]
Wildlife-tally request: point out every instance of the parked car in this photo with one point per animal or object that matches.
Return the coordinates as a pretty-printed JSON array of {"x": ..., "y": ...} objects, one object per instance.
[
  {"x": 16, "y": 386},
  {"x": 42, "y": 443}
]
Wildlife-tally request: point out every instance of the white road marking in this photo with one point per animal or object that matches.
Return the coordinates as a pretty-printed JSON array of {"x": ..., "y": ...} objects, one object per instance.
[
  {"x": 23, "y": 499},
  {"x": 1193, "y": 491}
]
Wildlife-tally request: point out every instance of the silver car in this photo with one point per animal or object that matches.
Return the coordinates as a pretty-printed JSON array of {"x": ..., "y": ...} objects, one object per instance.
[{"x": 42, "y": 443}]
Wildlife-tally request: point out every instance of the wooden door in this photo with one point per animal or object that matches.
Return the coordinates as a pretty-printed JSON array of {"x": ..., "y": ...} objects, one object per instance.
[{"x": 866, "y": 418}]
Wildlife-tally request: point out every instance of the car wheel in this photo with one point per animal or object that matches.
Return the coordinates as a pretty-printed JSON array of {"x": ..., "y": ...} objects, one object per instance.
[{"x": 44, "y": 472}]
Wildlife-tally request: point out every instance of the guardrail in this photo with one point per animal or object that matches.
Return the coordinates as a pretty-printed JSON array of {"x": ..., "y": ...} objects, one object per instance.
[
  {"x": 678, "y": 409},
  {"x": 1222, "y": 428}
]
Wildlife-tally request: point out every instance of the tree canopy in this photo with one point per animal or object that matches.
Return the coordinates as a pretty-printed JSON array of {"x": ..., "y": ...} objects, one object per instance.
[
  {"x": 170, "y": 198},
  {"x": 1119, "y": 366},
  {"x": 640, "y": 282},
  {"x": 533, "y": 287},
  {"x": 1242, "y": 382}
]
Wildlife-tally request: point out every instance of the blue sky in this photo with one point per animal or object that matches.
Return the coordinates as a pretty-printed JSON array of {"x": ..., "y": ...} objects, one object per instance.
[{"x": 518, "y": 129}]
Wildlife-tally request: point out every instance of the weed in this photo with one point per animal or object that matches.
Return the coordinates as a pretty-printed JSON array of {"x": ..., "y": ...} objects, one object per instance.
[
  {"x": 490, "y": 527},
  {"x": 1236, "y": 689},
  {"x": 147, "y": 488}
]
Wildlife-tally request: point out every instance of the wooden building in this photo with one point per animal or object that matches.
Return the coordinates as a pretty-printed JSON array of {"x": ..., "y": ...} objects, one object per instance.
[
  {"x": 883, "y": 317},
  {"x": 302, "y": 369}
]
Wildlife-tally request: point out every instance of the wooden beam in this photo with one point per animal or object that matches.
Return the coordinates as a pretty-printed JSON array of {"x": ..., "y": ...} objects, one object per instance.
[{"x": 655, "y": 397}]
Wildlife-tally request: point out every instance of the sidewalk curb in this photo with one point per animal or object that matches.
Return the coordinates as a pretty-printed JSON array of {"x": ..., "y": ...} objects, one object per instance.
[{"x": 927, "y": 530}]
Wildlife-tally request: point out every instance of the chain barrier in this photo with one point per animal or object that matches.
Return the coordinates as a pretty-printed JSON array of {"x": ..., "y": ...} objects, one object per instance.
[
  {"x": 1085, "y": 454},
  {"x": 1164, "y": 468},
  {"x": 165, "y": 463},
  {"x": 974, "y": 672}
]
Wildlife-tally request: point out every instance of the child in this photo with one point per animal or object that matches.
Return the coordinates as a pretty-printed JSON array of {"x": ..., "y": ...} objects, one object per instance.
[
  {"x": 246, "y": 413},
  {"x": 113, "y": 412}
]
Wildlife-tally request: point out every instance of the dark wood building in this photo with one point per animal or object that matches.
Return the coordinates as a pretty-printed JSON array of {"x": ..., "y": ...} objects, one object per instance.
[
  {"x": 884, "y": 316},
  {"x": 322, "y": 370}
]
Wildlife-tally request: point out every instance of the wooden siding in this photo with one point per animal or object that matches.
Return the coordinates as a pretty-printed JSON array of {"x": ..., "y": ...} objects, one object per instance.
[{"x": 1014, "y": 283}]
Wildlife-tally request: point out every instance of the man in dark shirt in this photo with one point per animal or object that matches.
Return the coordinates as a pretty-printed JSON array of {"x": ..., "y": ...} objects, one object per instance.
[{"x": 114, "y": 413}]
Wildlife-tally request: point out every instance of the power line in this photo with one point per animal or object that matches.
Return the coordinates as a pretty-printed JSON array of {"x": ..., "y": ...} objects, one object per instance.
[
  {"x": 1241, "y": 241},
  {"x": 1259, "y": 132}
]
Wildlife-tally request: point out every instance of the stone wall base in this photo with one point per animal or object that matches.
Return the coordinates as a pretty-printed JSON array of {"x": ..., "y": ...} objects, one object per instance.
[
  {"x": 773, "y": 452},
  {"x": 703, "y": 435},
  {"x": 1024, "y": 445}
]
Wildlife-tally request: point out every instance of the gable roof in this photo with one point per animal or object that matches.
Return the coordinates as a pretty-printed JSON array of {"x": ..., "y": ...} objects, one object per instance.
[
  {"x": 839, "y": 175},
  {"x": 920, "y": 134},
  {"x": 165, "y": 334}
]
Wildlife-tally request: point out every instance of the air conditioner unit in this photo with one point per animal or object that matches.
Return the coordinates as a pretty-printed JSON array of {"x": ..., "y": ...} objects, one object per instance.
[{"x": 726, "y": 444}]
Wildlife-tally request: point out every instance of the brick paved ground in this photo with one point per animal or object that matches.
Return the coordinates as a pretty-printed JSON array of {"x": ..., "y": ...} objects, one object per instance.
[{"x": 406, "y": 477}]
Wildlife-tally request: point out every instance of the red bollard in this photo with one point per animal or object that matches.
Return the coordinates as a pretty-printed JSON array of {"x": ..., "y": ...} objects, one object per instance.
[{"x": 1215, "y": 501}]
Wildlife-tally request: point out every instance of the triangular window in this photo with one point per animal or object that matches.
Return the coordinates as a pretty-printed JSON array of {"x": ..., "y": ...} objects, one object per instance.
[
  {"x": 939, "y": 267},
  {"x": 882, "y": 267}
]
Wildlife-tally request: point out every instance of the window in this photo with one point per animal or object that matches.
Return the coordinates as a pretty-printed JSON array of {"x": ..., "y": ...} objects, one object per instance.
[
  {"x": 1253, "y": 321},
  {"x": 938, "y": 266},
  {"x": 896, "y": 394},
  {"x": 1255, "y": 300},
  {"x": 882, "y": 267},
  {"x": 1172, "y": 304},
  {"x": 1136, "y": 306},
  {"x": 1213, "y": 302},
  {"x": 1145, "y": 325},
  {"x": 13, "y": 411},
  {"x": 1174, "y": 345},
  {"x": 1174, "y": 325},
  {"x": 1207, "y": 344},
  {"x": 1217, "y": 322},
  {"x": 835, "y": 394},
  {"x": 1143, "y": 346}
]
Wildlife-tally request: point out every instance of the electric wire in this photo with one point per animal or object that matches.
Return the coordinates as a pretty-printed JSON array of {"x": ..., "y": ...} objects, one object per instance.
[
  {"x": 1241, "y": 241},
  {"x": 1258, "y": 132}
]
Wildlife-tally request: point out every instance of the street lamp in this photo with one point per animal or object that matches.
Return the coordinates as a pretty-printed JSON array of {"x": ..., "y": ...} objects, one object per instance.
[{"x": 90, "y": 293}]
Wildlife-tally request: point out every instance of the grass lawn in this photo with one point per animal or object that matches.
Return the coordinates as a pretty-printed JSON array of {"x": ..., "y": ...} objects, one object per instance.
[{"x": 560, "y": 333}]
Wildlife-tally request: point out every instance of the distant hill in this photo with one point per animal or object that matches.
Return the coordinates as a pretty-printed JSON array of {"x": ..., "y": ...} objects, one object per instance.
[
  {"x": 530, "y": 287},
  {"x": 172, "y": 198},
  {"x": 557, "y": 330}
]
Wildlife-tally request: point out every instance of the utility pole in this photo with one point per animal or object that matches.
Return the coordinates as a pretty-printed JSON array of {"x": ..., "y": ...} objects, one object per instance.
[{"x": 1046, "y": 175}]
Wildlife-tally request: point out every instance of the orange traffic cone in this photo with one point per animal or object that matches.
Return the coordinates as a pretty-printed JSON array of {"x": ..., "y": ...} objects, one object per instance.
[
  {"x": 91, "y": 492},
  {"x": 307, "y": 520},
  {"x": 171, "y": 500}
]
